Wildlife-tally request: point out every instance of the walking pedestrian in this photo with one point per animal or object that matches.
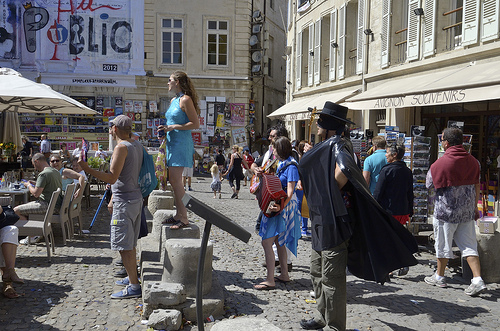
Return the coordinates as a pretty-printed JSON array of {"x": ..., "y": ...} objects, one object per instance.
[
  {"x": 182, "y": 117},
  {"x": 216, "y": 184},
  {"x": 126, "y": 202},
  {"x": 235, "y": 171},
  {"x": 455, "y": 177}
]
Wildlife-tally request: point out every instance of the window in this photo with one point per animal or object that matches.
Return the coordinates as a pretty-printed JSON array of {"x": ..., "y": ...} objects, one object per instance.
[
  {"x": 172, "y": 38},
  {"x": 270, "y": 67},
  {"x": 271, "y": 4},
  {"x": 217, "y": 42}
]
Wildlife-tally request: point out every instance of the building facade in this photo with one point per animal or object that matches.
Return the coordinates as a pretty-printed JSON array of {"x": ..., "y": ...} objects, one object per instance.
[
  {"x": 397, "y": 63},
  {"x": 116, "y": 57},
  {"x": 91, "y": 52},
  {"x": 232, "y": 50}
]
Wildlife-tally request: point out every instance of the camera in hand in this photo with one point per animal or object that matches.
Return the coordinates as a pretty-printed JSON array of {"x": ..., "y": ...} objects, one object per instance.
[{"x": 161, "y": 133}]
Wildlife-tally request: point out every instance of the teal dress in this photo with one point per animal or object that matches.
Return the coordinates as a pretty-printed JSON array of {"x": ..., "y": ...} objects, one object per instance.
[{"x": 179, "y": 148}]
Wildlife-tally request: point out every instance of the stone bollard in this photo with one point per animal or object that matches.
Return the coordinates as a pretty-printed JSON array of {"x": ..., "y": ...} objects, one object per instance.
[
  {"x": 167, "y": 193},
  {"x": 156, "y": 202},
  {"x": 488, "y": 246},
  {"x": 181, "y": 264}
]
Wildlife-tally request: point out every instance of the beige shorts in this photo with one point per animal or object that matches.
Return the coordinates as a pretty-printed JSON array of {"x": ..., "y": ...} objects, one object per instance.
[{"x": 33, "y": 207}]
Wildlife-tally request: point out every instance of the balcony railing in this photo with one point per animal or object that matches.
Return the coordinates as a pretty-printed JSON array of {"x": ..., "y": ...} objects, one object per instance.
[
  {"x": 453, "y": 31},
  {"x": 401, "y": 45}
]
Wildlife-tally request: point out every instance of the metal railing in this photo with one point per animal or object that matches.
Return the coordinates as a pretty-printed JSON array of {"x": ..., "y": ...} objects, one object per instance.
[
  {"x": 453, "y": 32},
  {"x": 401, "y": 44}
]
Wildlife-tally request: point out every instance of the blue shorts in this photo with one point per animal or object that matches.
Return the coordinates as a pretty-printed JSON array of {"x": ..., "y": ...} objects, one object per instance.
[{"x": 125, "y": 224}]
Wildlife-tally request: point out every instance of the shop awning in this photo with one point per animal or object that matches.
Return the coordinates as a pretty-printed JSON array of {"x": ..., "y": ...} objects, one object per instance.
[
  {"x": 459, "y": 85},
  {"x": 298, "y": 109}
]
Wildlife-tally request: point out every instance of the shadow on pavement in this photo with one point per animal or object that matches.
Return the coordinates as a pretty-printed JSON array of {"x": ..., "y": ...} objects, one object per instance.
[{"x": 36, "y": 300}]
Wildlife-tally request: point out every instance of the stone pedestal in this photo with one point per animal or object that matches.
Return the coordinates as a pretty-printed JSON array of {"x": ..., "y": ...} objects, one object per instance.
[
  {"x": 488, "y": 246},
  {"x": 156, "y": 202},
  {"x": 181, "y": 264}
]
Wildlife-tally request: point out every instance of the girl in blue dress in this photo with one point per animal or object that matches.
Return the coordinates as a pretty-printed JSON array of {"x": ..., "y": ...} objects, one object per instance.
[
  {"x": 284, "y": 228},
  {"x": 182, "y": 117}
]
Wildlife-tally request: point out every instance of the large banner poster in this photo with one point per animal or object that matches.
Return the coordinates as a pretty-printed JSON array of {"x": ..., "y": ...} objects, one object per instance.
[{"x": 99, "y": 35}]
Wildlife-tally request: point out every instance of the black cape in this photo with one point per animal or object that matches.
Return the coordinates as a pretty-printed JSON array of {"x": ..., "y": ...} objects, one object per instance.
[{"x": 378, "y": 243}]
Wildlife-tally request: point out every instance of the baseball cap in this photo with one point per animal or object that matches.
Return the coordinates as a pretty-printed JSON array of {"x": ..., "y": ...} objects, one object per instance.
[{"x": 122, "y": 122}]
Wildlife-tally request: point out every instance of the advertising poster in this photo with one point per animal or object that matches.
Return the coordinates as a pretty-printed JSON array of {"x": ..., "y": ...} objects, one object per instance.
[
  {"x": 220, "y": 120},
  {"x": 149, "y": 123},
  {"x": 129, "y": 106},
  {"x": 239, "y": 136},
  {"x": 237, "y": 114},
  {"x": 153, "y": 107},
  {"x": 210, "y": 130},
  {"x": 87, "y": 101},
  {"x": 210, "y": 114},
  {"x": 118, "y": 111},
  {"x": 227, "y": 115},
  {"x": 108, "y": 112},
  {"x": 196, "y": 138},
  {"x": 118, "y": 101},
  {"x": 137, "y": 106}
]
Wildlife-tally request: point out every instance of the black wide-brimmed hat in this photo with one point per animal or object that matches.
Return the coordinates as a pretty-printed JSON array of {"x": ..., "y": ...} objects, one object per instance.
[{"x": 336, "y": 111}]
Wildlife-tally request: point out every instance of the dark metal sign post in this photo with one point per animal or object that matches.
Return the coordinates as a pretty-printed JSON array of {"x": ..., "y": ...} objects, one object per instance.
[{"x": 211, "y": 216}]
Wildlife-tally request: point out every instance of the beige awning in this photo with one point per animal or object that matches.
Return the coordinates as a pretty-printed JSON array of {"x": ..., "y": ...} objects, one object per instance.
[
  {"x": 459, "y": 85},
  {"x": 298, "y": 109}
]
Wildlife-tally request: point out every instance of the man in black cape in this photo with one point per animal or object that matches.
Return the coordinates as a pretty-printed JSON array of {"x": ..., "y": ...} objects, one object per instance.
[{"x": 349, "y": 228}]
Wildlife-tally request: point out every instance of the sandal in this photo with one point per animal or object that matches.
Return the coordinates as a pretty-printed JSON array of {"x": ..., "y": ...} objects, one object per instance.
[
  {"x": 179, "y": 225},
  {"x": 263, "y": 287},
  {"x": 8, "y": 291},
  {"x": 170, "y": 220}
]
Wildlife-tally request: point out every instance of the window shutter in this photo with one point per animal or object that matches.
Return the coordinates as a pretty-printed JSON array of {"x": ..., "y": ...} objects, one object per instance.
[
  {"x": 361, "y": 37},
  {"x": 470, "y": 22},
  {"x": 429, "y": 28},
  {"x": 386, "y": 33},
  {"x": 298, "y": 69},
  {"x": 317, "y": 51},
  {"x": 333, "y": 39},
  {"x": 490, "y": 20},
  {"x": 310, "y": 59},
  {"x": 342, "y": 28},
  {"x": 413, "y": 44}
]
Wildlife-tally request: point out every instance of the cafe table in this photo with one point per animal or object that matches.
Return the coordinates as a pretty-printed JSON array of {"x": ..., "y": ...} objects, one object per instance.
[{"x": 13, "y": 192}]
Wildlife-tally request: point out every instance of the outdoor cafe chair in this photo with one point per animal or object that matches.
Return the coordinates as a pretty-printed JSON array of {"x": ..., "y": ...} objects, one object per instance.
[
  {"x": 63, "y": 216},
  {"x": 75, "y": 211},
  {"x": 32, "y": 228}
]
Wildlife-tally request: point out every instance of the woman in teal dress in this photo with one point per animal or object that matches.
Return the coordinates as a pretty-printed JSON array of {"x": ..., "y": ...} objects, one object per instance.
[{"x": 182, "y": 117}]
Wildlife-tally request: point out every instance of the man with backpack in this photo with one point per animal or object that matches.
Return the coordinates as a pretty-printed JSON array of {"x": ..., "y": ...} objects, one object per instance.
[{"x": 126, "y": 202}]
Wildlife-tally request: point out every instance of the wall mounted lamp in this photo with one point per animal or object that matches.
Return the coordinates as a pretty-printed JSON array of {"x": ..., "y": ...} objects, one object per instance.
[
  {"x": 369, "y": 32},
  {"x": 289, "y": 82},
  {"x": 419, "y": 11},
  {"x": 311, "y": 53},
  {"x": 334, "y": 44}
]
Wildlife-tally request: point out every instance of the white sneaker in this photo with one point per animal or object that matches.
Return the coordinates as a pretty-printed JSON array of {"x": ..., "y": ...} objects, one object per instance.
[
  {"x": 432, "y": 280},
  {"x": 33, "y": 240},
  {"x": 475, "y": 289},
  {"x": 312, "y": 294}
]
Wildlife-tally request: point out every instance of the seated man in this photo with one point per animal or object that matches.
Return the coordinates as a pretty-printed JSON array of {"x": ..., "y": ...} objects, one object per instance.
[{"x": 48, "y": 181}]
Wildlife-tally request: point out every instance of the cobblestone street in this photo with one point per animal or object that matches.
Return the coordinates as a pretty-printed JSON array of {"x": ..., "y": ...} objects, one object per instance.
[{"x": 72, "y": 293}]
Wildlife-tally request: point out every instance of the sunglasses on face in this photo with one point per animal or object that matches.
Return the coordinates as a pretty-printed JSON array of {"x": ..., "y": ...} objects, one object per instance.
[{"x": 55, "y": 161}]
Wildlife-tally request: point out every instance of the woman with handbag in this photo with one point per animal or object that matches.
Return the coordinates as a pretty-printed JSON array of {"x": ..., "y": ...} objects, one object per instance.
[
  {"x": 235, "y": 171},
  {"x": 283, "y": 229}
]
